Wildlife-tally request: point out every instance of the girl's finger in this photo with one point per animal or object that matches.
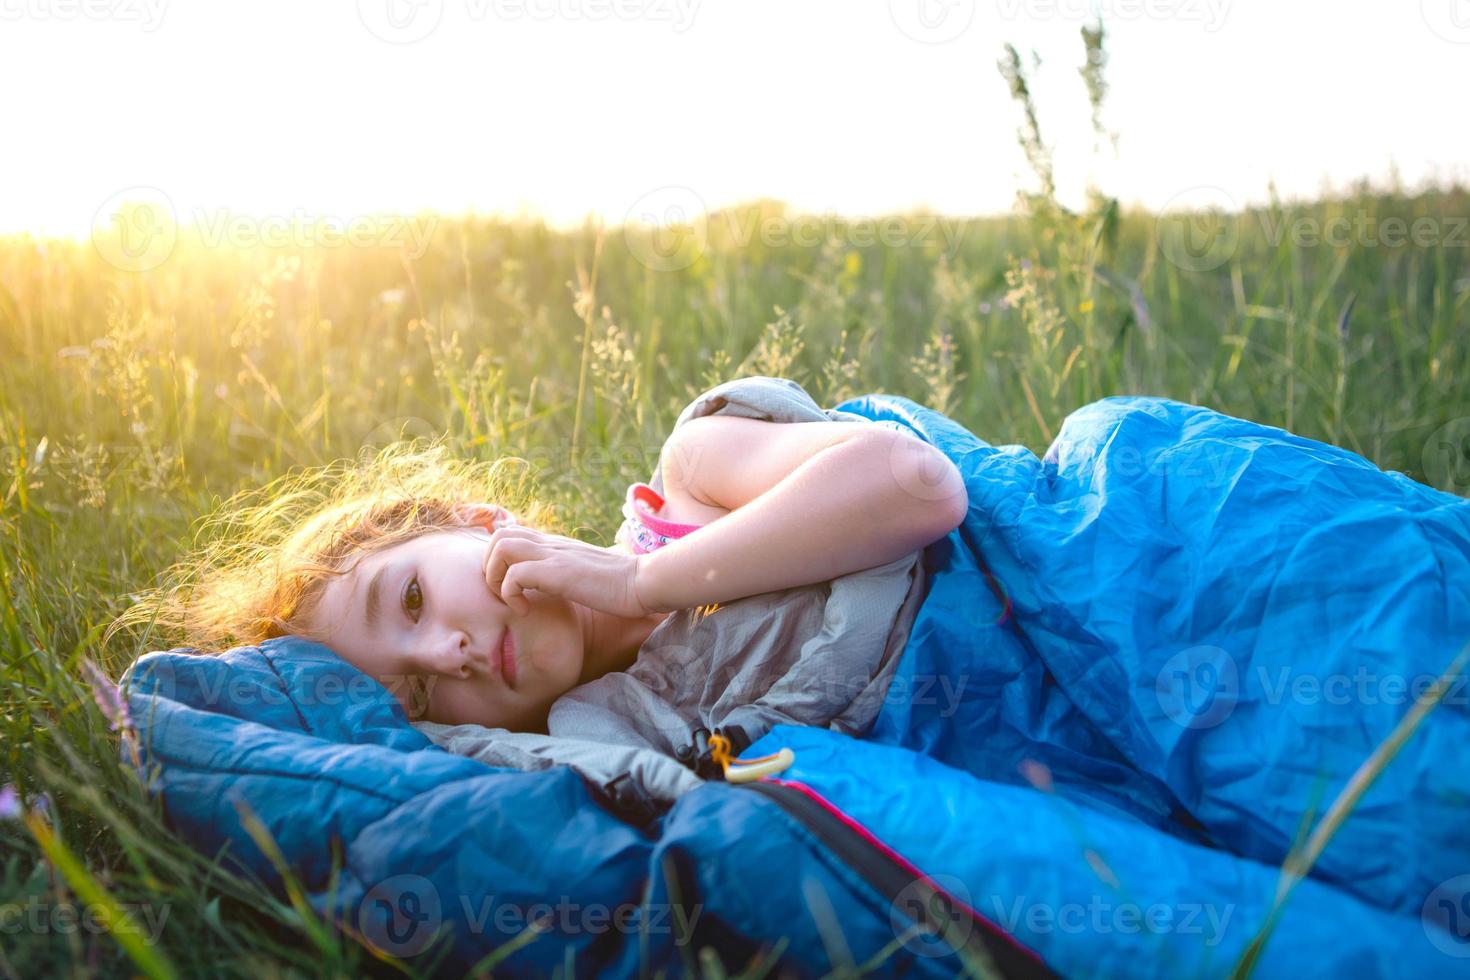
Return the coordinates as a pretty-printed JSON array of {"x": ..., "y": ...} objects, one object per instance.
[
  {"x": 503, "y": 554},
  {"x": 517, "y": 580}
]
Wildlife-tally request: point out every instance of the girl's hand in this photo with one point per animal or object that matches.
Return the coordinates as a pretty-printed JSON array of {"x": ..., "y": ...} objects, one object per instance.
[{"x": 521, "y": 558}]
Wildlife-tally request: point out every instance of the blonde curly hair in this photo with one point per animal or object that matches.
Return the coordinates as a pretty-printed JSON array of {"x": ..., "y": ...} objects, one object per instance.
[{"x": 261, "y": 560}]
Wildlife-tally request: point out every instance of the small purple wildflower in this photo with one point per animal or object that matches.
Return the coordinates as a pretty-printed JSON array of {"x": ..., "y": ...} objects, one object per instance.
[
  {"x": 10, "y": 808},
  {"x": 108, "y": 696},
  {"x": 41, "y": 805}
]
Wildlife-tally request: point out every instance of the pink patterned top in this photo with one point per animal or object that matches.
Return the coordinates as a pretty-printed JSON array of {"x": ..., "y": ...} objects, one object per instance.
[{"x": 642, "y": 529}]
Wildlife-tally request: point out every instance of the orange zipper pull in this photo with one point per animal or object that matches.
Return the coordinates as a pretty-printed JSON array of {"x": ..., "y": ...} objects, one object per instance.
[{"x": 747, "y": 770}]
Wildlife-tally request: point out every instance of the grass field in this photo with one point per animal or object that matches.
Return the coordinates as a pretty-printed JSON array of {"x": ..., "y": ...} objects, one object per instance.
[{"x": 139, "y": 385}]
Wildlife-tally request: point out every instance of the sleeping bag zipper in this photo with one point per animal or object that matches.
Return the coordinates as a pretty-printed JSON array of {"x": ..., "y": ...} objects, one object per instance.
[{"x": 903, "y": 886}]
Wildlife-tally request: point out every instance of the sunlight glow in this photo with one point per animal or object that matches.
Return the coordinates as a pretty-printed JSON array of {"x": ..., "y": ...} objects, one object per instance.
[{"x": 321, "y": 113}]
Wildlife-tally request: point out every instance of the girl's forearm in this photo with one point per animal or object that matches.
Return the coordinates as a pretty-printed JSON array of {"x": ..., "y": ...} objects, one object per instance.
[{"x": 857, "y": 504}]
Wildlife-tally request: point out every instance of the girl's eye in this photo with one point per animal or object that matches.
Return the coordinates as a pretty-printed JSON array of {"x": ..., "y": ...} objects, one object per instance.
[{"x": 413, "y": 598}]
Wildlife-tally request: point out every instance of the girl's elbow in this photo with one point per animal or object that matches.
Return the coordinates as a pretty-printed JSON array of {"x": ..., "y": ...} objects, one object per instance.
[
  {"x": 930, "y": 486},
  {"x": 957, "y": 504},
  {"x": 954, "y": 502}
]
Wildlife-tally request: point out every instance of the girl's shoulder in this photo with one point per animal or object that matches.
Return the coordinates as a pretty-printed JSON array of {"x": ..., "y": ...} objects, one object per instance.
[{"x": 758, "y": 396}]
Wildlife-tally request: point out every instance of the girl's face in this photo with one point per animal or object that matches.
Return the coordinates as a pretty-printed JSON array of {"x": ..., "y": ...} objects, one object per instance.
[{"x": 419, "y": 618}]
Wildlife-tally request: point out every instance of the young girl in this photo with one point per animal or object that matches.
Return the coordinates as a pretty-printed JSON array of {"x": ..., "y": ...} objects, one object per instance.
[{"x": 767, "y": 573}]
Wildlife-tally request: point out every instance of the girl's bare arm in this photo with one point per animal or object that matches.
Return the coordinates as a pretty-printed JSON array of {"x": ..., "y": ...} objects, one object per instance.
[{"x": 808, "y": 502}]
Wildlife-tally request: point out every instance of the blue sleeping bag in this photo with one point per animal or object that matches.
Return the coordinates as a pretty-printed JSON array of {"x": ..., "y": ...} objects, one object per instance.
[{"x": 1146, "y": 663}]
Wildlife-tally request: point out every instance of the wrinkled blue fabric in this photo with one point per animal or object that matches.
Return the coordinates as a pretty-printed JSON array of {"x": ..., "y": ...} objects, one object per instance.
[
  {"x": 1145, "y": 665},
  {"x": 1212, "y": 623}
]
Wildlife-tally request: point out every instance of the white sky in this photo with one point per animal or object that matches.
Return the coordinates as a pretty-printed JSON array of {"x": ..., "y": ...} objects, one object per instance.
[{"x": 564, "y": 107}]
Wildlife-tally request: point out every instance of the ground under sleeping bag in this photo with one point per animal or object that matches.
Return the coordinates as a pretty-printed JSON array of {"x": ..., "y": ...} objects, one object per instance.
[{"x": 1145, "y": 664}]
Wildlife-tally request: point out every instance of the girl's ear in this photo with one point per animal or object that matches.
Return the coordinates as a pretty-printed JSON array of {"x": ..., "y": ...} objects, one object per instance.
[{"x": 488, "y": 516}]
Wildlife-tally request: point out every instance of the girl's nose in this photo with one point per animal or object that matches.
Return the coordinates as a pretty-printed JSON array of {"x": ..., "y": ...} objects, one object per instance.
[{"x": 451, "y": 656}]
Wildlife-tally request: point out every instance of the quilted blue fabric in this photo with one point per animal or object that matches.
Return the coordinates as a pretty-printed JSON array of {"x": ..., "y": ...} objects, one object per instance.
[{"x": 1146, "y": 663}]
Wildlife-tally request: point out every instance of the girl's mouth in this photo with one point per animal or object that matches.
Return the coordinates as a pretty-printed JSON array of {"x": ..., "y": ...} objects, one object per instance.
[{"x": 508, "y": 665}]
